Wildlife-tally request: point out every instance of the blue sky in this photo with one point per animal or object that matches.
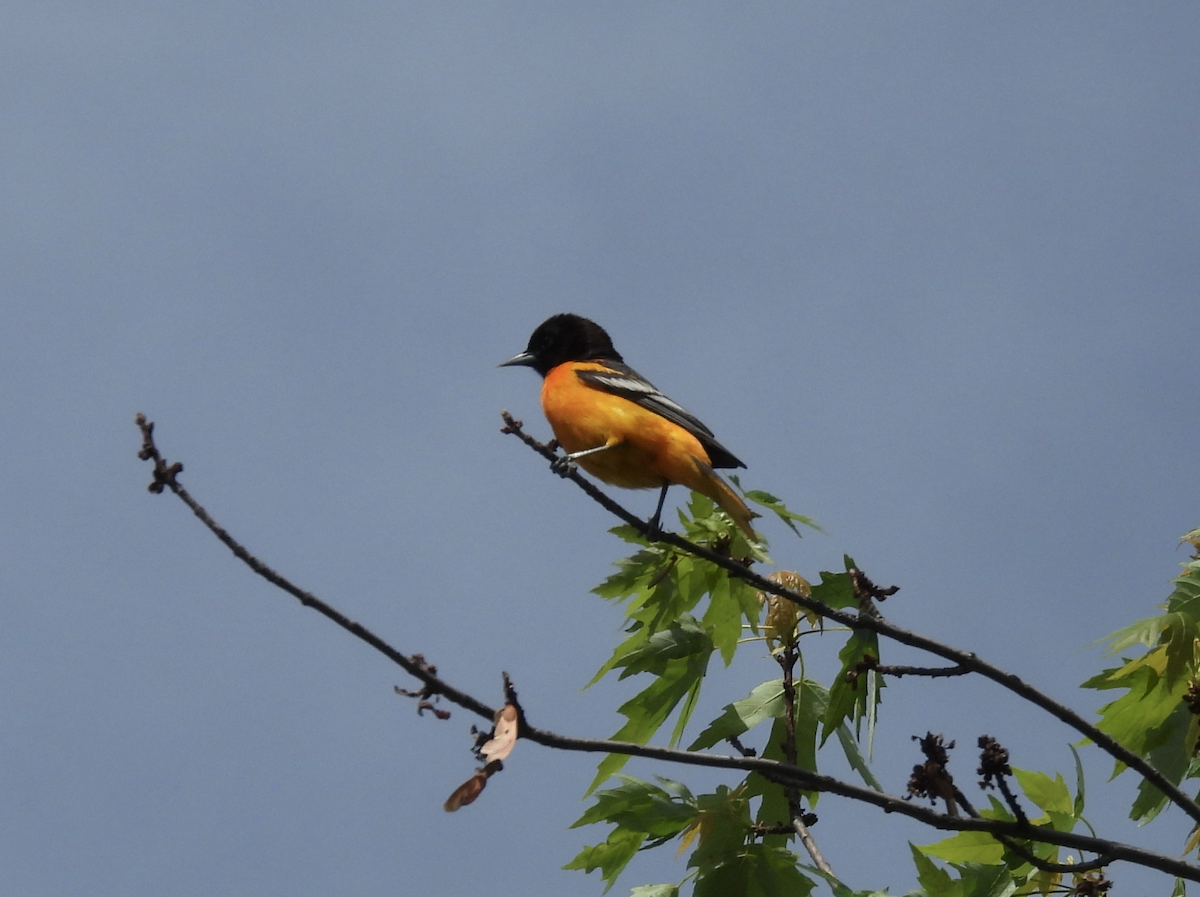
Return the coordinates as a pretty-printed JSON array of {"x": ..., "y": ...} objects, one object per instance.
[{"x": 930, "y": 269}]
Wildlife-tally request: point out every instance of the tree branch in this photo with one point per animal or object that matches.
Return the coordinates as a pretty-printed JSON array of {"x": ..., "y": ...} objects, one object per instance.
[
  {"x": 811, "y": 781},
  {"x": 964, "y": 660},
  {"x": 165, "y": 477},
  {"x": 929, "y": 672}
]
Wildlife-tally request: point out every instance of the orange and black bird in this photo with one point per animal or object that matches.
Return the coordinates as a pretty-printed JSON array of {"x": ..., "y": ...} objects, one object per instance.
[{"x": 617, "y": 425}]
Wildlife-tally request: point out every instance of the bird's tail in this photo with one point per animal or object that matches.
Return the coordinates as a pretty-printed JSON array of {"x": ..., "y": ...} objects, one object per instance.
[{"x": 710, "y": 483}]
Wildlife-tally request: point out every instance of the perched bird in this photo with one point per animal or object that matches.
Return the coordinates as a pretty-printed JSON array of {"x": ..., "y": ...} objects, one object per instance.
[{"x": 617, "y": 426}]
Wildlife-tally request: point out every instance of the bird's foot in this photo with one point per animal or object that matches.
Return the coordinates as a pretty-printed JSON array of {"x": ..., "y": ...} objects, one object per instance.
[
  {"x": 563, "y": 466},
  {"x": 654, "y": 530}
]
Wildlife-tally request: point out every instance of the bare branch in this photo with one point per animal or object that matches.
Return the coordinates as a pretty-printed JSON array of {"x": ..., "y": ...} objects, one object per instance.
[
  {"x": 415, "y": 666},
  {"x": 810, "y": 845}
]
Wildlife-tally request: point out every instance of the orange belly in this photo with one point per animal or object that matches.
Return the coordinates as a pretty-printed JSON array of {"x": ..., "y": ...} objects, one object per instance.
[{"x": 647, "y": 450}]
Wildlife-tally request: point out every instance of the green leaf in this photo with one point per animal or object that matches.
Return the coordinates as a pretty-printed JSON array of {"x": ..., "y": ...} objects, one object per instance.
[
  {"x": 935, "y": 881},
  {"x": 811, "y": 702},
  {"x": 706, "y": 524},
  {"x": 746, "y": 597},
  {"x": 639, "y": 811},
  {"x": 659, "y": 585},
  {"x": 972, "y": 847},
  {"x": 629, "y": 534},
  {"x": 1135, "y": 719},
  {"x": 1143, "y": 632},
  {"x": 648, "y": 650},
  {"x": 684, "y": 639},
  {"x": 767, "y": 701},
  {"x": 1186, "y": 597},
  {"x": 758, "y": 870},
  {"x": 723, "y": 822},
  {"x": 1051, "y": 795},
  {"x": 1077, "y": 807},
  {"x": 676, "y": 789},
  {"x": 980, "y": 880},
  {"x": 723, "y": 619},
  {"x": 623, "y": 650},
  {"x": 810, "y": 708},
  {"x": 764, "y": 702},
  {"x": 633, "y": 575},
  {"x": 656, "y": 810},
  {"x": 835, "y": 589},
  {"x": 1150, "y": 718},
  {"x": 853, "y": 697},
  {"x": 655, "y": 891},
  {"x": 610, "y": 857},
  {"x": 678, "y": 678},
  {"x": 773, "y": 807},
  {"x": 777, "y": 507},
  {"x": 1174, "y": 632},
  {"x": 967, "y": 847},
  {"x": 689, "y": 581},
  {"x": 665, "y": 602},
  {"x": 1172, "y": 757},
  {"x": 855, "y": 758},
  {"x": 686, "y": 710},
  {"x": 841, "y": 890}
]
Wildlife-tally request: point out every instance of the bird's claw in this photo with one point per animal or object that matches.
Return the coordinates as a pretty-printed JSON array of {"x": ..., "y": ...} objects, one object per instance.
[{"x": 563, "y": 466}]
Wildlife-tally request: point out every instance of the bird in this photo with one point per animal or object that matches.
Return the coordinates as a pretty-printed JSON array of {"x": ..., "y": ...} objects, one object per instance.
[{"x": 617, "y": 425}]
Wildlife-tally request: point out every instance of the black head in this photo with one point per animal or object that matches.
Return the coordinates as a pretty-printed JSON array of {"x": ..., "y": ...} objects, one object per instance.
[{"x": 564, "y": 338}]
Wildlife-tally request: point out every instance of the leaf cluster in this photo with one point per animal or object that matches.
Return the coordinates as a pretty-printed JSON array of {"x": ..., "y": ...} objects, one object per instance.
[
  {"x": 983, "y": 863},
  {"x": 682, "y": 611},
  {"x": 1156, "y": 716}
]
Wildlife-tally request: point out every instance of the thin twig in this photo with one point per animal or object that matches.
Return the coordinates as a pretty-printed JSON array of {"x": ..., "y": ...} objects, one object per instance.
[
  {"x": 810, "y": 845},
  {"x": 737, "y": 745},
  {"x": 414, "y": 666},
  {"x": 787, "y": 663},
  {"x": 805, "y": 837}
]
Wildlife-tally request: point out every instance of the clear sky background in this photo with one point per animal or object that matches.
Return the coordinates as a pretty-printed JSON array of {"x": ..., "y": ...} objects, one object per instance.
[{"x": 930, "y": 269}]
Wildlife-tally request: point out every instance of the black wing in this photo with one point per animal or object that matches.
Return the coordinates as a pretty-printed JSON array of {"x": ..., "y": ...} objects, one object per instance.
[{"x": 622, "y": 380}]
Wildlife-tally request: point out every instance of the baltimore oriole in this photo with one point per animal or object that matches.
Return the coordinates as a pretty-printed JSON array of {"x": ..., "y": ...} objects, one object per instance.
[{"x": 617, "y": 426}]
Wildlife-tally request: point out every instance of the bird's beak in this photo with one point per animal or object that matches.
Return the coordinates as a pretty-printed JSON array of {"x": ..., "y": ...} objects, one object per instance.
[{"x": 524, "y": 359}]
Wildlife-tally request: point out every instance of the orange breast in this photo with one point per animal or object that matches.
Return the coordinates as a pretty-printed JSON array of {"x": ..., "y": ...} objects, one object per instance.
[{"x": 647, "y": 449}]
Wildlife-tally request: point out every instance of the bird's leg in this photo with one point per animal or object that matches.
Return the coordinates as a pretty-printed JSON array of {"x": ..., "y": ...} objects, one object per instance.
[
  {"x": 652, "y": 527},
  {"x": 564, "y": 465}
]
